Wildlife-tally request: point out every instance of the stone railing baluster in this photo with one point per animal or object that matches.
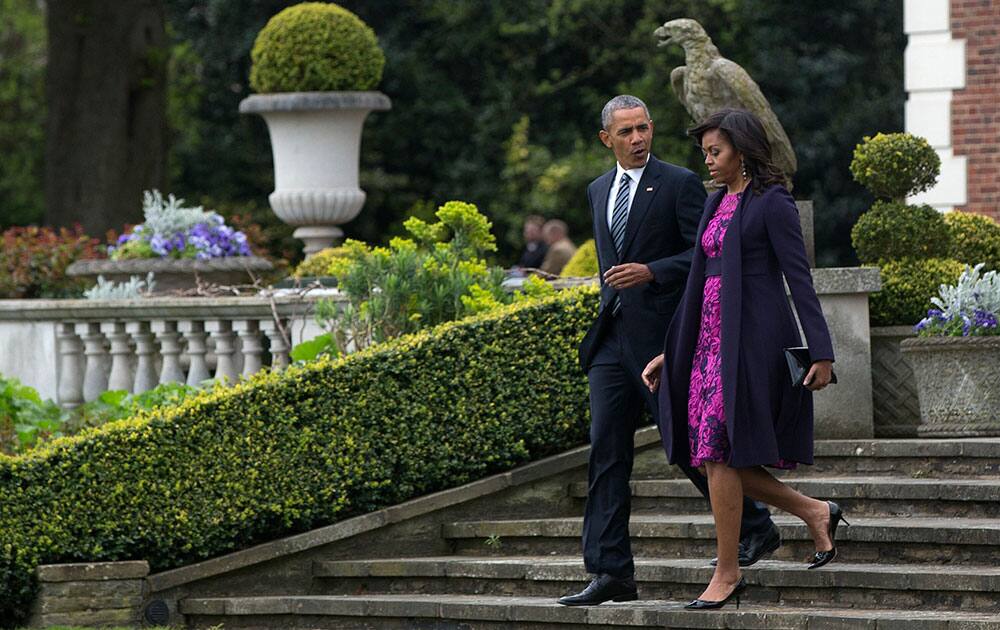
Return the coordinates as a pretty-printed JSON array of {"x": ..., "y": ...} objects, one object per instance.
[
  {"x": 170, "y": 350},
  {"x": 121, "y": 354},
  {"x": 250, "y": 343},
  {"x": 194, "y": 335},
  {"x": 278, "y": 346},
  {"x": 145, "y": 352},
  {"x": 95, "y": 380},
  {"x": 225, "y": 348},
  {"x": 72, "y": 366}
]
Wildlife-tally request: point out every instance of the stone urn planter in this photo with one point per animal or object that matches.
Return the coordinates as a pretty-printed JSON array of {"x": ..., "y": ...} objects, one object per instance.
[
  {"x": 958, "y": 384},
  {"x": 316, "y": 141},
  {"x": 172, "y": 274}
]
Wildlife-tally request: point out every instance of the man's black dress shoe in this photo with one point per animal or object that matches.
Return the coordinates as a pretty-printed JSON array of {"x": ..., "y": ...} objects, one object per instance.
[
  {"x": 756, "y": 546},
  {"x": 602, "y": 588}
]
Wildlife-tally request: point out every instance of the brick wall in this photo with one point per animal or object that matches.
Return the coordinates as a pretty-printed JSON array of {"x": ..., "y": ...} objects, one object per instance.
[{"x": 975, "y": 111}]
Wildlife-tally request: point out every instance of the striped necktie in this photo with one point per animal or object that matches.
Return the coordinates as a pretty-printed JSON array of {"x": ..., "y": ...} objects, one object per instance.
[{"x": 619, "y": 219}]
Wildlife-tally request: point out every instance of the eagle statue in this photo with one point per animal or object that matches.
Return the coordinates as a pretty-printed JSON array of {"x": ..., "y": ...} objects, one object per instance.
[{"x": 709, "y": 82}]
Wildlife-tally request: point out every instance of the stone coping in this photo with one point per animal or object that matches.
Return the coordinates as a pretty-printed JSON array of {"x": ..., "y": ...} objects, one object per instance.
[
  {"x": 152, "y": 307},
  {"x": 826, "y": 280},
  {"x": 528, "y": 473},
  {"x": 167, "y": 265},
  {"x": 93, "y": 571},
  {"x": 299, "y": 101}
]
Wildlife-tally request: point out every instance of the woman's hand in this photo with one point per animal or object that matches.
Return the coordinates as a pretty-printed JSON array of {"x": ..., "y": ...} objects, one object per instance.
[
  {"x": 651, "y": 375},
  {"x": 818, "y": 377}
]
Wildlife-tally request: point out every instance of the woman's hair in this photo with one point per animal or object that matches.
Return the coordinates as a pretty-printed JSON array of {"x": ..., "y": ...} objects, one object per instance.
[{"x": 746, "y": 133}]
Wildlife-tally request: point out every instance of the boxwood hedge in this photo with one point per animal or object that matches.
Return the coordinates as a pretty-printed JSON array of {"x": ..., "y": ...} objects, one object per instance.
[{"x": 287, "y": 451}]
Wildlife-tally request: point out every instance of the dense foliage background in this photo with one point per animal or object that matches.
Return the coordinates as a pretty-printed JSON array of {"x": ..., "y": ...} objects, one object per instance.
[{"x": 495, "y": 103}]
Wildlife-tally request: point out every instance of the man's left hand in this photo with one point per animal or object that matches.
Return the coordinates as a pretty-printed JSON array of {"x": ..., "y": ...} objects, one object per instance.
[{"x": 628, "y": 275}]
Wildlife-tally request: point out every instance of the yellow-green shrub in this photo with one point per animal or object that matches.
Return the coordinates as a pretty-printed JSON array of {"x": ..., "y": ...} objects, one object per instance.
[
  {"x": 892, "y": 231},
  {"x": 315, "y": 47},
  {"x": 907, "y": 288},
  {"x": 974, "y": 239},
  {"x": 319, "y": 263},
  {"x": 284, "y": 452},
  {"x": 583, "y": 263},
  {"x": 895, "y": 165}
]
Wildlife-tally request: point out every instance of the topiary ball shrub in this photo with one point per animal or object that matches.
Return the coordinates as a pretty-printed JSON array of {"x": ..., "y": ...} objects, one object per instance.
[
  {"x": 891, "y": 230},
  {"x": 895, "y": 165},
  {"x": 907, "y": 288},
  {"x": 315, "y": 47},
  {"x": 974, "y": 239},
  {"x": 583, "y": 263}
]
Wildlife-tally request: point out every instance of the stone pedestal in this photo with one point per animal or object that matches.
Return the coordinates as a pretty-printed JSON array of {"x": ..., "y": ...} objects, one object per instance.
[
  {"x": 90, "y": 595},
  {"x": 845, "y": 410}
]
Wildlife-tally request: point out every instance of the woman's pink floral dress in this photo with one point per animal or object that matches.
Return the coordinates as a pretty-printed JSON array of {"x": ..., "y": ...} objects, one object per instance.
[{"x": 707, "y": 433}]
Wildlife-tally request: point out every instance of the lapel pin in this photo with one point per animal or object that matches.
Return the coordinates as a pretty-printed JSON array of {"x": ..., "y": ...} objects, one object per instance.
[{"x": 650, "y": 189}]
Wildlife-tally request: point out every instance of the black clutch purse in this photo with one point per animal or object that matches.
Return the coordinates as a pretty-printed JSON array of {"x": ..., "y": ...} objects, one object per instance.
[{"x": 799, "y": 363}]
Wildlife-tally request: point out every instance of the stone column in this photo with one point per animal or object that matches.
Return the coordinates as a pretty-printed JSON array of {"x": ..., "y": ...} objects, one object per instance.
[
  {"x": 194, "y": 334},
  {"x": 250, "y": 344},
  {"x": 72, "y": 365},
  {"x": 279, "y": 347},
  {"x": 145, "y": 350},
  {"x": 170, "y": 350},
  {"x": 95, "y": 380},
  {"x": 225, "y": 348},
  {"x": 121, "y": 372}
]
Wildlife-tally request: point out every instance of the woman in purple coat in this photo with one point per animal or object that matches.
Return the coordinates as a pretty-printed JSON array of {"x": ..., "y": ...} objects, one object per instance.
[{"x": 727, "y": 401}]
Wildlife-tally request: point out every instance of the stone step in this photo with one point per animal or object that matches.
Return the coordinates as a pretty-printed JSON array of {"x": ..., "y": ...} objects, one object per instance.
[
  {"x": 912, "y": 540},
  {"x": 895, "y": 496},
  {"x": 915, "y": 458},
  {"x": 771, "y": 581},
  {"x": 472, "y": 612}
]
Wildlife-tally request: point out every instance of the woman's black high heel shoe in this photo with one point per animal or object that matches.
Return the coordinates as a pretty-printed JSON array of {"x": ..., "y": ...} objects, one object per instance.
[
  {"x": 824, "y": 557},
  {"x": 704, "y": 604}
]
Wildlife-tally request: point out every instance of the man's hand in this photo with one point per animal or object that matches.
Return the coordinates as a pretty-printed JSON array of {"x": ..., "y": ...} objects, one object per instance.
[{"x": 628, "y": 275}]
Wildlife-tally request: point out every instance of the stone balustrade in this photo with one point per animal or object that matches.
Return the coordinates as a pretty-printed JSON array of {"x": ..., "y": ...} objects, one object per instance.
[{"x": 73, "y": 350}]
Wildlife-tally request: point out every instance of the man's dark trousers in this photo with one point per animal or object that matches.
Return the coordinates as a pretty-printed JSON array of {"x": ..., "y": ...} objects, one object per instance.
[{"x": 617, "y": 397}]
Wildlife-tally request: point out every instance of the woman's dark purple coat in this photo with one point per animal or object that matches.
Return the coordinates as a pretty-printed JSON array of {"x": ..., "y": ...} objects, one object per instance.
[{"x": 767, "y": 419}]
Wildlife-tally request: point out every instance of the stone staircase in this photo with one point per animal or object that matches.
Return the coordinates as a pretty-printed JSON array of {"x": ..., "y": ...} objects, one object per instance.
[{"x": 922, "y": 551}]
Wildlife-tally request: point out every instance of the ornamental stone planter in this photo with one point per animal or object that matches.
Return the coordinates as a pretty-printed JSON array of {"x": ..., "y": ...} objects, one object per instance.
[
  {"x": 958, "y": 383},
  {"x": 172, "y": 274},
  {"x": 316, "y": 141}
]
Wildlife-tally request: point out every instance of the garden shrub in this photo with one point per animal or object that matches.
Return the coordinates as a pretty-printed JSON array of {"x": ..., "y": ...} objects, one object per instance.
[
  {"x": 974, "y": 239},
  {"x": 895, "y": 165},
  {"x": 33, "y": 261},
  {"x": 319, "y": 263},
  {"x": 283, "y": 452},
  {"x": 892, "y": 231},
  {"x": 583, "y": 263},
  {"x": 437, "y": 275},
  {"x": 907, "y": 288},
  {"x": 315, "y": 47}
]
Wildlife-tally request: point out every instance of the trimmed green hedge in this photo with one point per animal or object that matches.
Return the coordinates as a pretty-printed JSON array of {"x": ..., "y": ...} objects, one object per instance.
[
  {"x": 891, "y": 230},
  {"x": 285, "y": 452},
  {"x": 907, "y": 288},
  {"x": 583, "y": 263}
]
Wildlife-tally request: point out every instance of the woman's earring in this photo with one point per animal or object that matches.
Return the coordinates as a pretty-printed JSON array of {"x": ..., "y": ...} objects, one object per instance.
[{"x": 743, "y": 166}]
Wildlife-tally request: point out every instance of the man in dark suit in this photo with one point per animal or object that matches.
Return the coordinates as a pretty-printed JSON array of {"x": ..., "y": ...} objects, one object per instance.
[{"x": 645, "y": 213}]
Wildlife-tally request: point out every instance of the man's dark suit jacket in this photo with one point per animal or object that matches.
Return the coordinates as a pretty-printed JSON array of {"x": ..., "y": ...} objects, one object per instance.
[{"x": 660, "y": 233}]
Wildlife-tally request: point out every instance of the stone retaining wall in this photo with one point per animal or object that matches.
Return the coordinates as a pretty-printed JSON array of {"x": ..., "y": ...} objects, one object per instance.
[{"x": 90, "y": 594}]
